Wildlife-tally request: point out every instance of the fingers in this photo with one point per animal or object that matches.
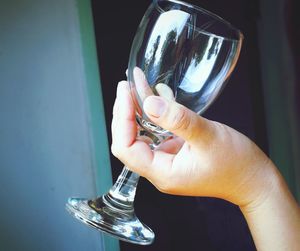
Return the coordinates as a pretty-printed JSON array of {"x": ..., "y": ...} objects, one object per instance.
[
  {"x": 178, "y": 119},
  {"x": 135, "y": 152},
  {"x": 124, "y": 132},
  {"x": 123, "y": 123},
  {"x": 142, "y": 87},
  {"x": 164, "y": 91},
  {"x": 172, "y": 145},
  {"x": 144, "y": 90}
]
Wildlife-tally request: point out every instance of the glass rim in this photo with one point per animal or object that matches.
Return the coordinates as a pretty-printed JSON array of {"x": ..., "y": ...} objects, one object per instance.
[{"x": 208, "y": 13}]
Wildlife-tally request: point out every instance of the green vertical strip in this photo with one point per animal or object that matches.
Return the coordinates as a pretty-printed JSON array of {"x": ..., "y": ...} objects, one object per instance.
[
  {"x": 279, "y": 84},
  {"x": 97, "y": 118}
]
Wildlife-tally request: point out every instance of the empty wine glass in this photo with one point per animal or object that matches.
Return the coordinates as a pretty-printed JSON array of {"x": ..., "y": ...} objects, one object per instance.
[{"x": 182, "y": 52}]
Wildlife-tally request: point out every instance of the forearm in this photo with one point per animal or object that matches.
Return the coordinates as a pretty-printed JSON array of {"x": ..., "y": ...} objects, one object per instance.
[{"x": 275, "y": 222}]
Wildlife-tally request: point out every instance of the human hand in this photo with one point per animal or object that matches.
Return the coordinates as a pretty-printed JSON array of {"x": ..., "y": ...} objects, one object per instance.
[{"x": 205, "y": 158}]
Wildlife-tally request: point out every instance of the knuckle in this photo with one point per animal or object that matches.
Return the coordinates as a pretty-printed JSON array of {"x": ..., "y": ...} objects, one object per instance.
[
  {"x": 164, "y": 184},
  {"x": 163, "y": 187},
  {"x": 181, "y": 120},
  {"x": 115, "y": 151},
  {"x": 115, "y": 108}
]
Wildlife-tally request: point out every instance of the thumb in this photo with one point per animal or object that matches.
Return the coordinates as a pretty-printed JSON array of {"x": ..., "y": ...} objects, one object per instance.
[{"x": 177, "y": 119}]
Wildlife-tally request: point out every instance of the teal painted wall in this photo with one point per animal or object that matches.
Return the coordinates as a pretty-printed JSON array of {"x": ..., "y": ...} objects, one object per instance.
[
  {"x": 52, "y": 131},
  {"x": 279, "y": 81}
]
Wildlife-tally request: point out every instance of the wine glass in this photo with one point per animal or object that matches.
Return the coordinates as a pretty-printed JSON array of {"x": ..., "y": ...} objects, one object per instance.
[{"x": 182, "y": 52}]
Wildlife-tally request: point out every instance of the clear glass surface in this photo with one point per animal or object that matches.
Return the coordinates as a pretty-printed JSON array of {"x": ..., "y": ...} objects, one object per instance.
[{"x": 181, "y": 52}]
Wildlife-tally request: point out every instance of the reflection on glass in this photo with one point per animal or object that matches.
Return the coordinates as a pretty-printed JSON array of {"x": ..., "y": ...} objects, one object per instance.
[
  {"x": 180, "y": 52},
  {"x": 201, "y": 67}
]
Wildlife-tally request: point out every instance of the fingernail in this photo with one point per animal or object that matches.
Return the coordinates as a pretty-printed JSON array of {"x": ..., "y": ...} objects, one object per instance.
[{"x": 155, "y": 106}]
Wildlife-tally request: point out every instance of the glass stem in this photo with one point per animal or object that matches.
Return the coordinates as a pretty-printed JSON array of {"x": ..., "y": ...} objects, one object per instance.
[{"x": 123, "y": 191}]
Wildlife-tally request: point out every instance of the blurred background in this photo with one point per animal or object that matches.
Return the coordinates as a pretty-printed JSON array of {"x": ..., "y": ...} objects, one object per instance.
[{"x": 60, "y": 62}]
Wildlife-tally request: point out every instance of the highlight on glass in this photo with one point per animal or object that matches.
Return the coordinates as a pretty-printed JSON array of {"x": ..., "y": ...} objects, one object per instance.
[{"x": 181, "y": 52}]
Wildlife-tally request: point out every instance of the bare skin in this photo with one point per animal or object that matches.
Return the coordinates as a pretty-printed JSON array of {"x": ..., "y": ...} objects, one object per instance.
[{"x": 207, "y": 158}]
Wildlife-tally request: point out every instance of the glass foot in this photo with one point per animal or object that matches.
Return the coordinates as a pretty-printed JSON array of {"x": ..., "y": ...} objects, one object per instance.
[{"x": 115, "y": 220}]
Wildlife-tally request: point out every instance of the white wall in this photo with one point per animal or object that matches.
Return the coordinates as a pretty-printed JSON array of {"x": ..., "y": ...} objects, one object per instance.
[{"x": 46, "y": 154}]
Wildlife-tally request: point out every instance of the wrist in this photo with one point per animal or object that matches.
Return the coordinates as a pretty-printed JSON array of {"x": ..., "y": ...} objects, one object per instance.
[
  {"x": 270, "y": 185},
  {"x": 274, "y": 217}
]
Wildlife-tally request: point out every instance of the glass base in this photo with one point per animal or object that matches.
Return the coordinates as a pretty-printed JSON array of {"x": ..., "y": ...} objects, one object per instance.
[{"x": 112, "y": 219}]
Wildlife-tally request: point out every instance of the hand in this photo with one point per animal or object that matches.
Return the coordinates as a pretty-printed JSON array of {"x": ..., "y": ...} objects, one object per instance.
[{"x": 205, "y": 158}]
